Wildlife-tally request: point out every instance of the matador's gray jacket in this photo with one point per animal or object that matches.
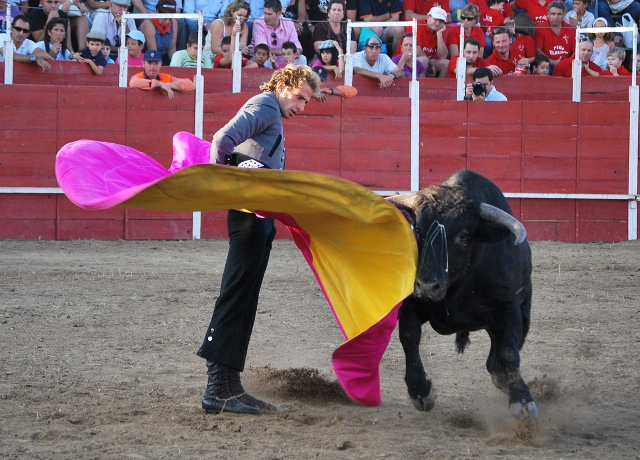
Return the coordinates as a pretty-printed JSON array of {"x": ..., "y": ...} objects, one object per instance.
[{"x": 255, "y": 132}]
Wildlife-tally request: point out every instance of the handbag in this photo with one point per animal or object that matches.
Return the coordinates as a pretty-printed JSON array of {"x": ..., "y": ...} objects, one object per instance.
[{"x": 627, "y": 37}]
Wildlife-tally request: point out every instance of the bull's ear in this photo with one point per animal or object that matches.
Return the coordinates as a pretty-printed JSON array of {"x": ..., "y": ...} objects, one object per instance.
[
  {"x": 490, "y": 232},
  {"x": 405, "y": 204}
]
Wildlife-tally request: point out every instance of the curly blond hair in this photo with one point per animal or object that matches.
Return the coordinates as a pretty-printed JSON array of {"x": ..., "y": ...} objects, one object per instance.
[{"x": 294, "y": 76}]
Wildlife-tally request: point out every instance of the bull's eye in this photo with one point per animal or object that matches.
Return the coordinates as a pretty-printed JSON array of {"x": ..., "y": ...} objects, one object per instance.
[{"x": 463, "y": 237}]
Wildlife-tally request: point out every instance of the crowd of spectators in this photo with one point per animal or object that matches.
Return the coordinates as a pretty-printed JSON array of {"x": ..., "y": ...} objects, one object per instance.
[{"x": 522, "y": 37}]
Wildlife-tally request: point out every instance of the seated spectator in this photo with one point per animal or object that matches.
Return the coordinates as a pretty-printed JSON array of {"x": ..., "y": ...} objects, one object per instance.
[
  {"x": 106, "y": 51},
  {"x": 50, "y": 9},
  {"x": 261, "y": 55},
  {"x": 387, "y": 11},
  {"x": 55, "y": 40},
  {"x": 225, "y": 59},
  {"x": 524, "y": 43},
  {"x": 602, "y": 43},
  {"x": 15, "y": 11},
  {"x": 333, "y": 29},
  {"x": 469, "y": 18},
  {"x": 615, "y": 59},
  {"x": 404, "y": 61},
  {"x": 152, "y": 78},
  {"x": 618, "y": 7},
  {"x": 471, "y": 54},
  {"x": 331, "y": 58},
  {"x": 161, "y": 34},
  {"x": 135, "y": 44},
  {"x": 227, "y": 26},
  {"x": 189, "y": 57},
  {"x": 536, "y": 9},
  {"x": 555, "y": 38},
  {"x": 194, "y": 7},
  {"x": 579, "y": 16},
  {"x": 24, "y": 50},
  {"x": 372, "y": 64},
  {"x": 92, "y": 54},
  {"x": 273, "y": 30},
  {"x": 585, "y": 50},
  {"x": 290, "y": 55},
  {"x": 419, "y": 9},
  {"x": 494, "y": 17},
  {"x": 503, "y": 56},
  {"x": 484, "y": 76},
  {"x": 108, "y": 22},
  {"x": 483, "y": 7},
  {"x": 430, "y": 38},
  {"x": 541, "y": 65}
]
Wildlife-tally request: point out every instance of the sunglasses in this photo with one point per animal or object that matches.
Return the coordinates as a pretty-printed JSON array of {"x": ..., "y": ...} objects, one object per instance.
[
  {"x": 21, "y": 29},
  {"x": 467, "y": 18},
  {"x": 373, "y": 45},
  {"x": 275, "y": 38}
]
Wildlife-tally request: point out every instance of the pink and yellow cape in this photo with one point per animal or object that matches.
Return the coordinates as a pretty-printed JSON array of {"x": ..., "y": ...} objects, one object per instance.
[{"x": 359, "y": 247}]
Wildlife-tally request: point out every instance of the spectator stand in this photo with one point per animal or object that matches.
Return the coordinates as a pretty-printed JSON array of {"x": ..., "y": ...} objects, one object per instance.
[{"x": 414, "y": 89}]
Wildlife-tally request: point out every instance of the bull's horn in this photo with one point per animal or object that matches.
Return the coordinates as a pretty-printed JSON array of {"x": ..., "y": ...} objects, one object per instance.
[
  {"x": 493, "y": 214},
  {"x": 406, "y": 200}
]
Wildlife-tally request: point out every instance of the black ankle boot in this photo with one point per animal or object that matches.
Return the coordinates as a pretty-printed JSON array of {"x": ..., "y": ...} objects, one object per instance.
[
  {"x": 218, "y": 398},
  {"x": 237, "y": 390}
]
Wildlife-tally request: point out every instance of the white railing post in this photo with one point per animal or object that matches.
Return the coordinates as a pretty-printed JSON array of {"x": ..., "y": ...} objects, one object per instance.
[
  {"x": 123, "y": 53},
  {"x": 414, "y": 93},
  {"x": 236, "y": 63},
  {"x": 198, "y": 131},
  {"x": 8, "y": 56},
  {"x": 461, "y": 68}
]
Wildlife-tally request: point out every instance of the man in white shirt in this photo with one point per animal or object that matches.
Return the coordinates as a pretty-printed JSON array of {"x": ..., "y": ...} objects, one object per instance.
[
  {"x": 108, "y": 22},
  {"x": 371, "y": 63},
  {"x": 24, "y": 50}
]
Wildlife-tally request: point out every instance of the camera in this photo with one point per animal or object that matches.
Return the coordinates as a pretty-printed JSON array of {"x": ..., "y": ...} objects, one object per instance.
[{"x": 479, "y": 89}]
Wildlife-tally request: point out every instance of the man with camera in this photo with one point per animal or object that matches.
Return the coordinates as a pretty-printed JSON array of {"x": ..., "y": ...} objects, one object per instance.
[{"x": 482, "y": 88}]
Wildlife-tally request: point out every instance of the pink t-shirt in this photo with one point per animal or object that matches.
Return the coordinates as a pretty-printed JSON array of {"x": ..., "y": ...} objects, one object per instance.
[{"x": 134, "y": 62}]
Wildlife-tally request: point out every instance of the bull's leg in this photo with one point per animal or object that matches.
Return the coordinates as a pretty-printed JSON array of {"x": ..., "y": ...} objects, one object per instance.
[
  {"x": 503, "y": 364},
  {"x": 419, "y": 387}
]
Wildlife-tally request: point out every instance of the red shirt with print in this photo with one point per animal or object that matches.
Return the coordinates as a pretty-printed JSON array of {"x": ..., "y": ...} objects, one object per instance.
[{"x": 556, "y": 46}]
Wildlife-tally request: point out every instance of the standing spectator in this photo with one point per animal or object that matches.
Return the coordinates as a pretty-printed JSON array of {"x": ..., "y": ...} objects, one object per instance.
[
  {"x": 419, "y": 9},
  {"x": 469, "y": 18},
  {"x": 541, "y": 65},
  {"x": 494, "y": 17},
  {"x": 108, "y": 22},
  {"x": 579, "y": 16},
  {"x": 273, "y": 30},
  {"x": 15, "y": 11},
  {"x": 484, "y": 76},
  {"x": 333, "y": 29},
  {"x": 383, "y": 11},
  {"x": 524, "y": 43},
  {"x": 405, "y": 60},
  {"x": 50, "y": 9},
  {"x": 536, "y": 9},
  {"x": 189, "y": 57},
  {"x": 55, "y": 40},
  {"x": 24, "y": 50},
  {"x": 505, "y": 57},
  {"x": 372, "y": 64},
  {"x": 151, "y": 77},
  {"x": 602, "y": 43},
  {"x": 430, "y": 38},
  {"x": 161, "y": 34},
  {"x": 92, "y": 54},
  {"x": 135, "y": 44},
  {"x": 585, "y": 50},
  {"x": 615, "y": 59},
  {"x": 227, "y": 26},
  {"x": 555, "y": 39},
  {"x": 618, "y": 7},
  {"x": 224, "y": 60},
  {"x": 194, "y": 7},
  {"x": 471, "y": 54}
]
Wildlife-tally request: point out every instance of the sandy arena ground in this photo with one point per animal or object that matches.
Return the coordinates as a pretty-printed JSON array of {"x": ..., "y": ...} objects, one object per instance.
[{"x": 98, "y": 342}]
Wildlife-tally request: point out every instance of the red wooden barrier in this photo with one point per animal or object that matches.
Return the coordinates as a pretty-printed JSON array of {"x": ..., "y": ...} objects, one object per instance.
[{"x": 524, "y": 146}]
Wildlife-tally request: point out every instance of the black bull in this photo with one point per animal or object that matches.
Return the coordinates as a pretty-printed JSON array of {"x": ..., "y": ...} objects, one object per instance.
[{"x": 474, "y": 273}]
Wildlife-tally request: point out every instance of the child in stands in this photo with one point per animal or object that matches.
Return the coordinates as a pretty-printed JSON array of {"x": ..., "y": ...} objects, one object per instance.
[
  {"x": 92, "y": 54},
  {"x": 225, "y": 59},
  {"x": 602, "y": 43},
  {"x": 135, "y": 44},
  {"x": 331, "y": 57},
  {"x": 541, "y": 65},
  {"x": 524, "y": 44},
  {"x": 106, "y": 51},
  {"x": 615, "y": 59},
  {"x": 579, "y": 16},
  {"x": 261, "y": 55}
]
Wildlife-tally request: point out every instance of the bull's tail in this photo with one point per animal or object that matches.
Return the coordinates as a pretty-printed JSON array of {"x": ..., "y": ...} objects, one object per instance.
[{"x": 462, "y": 340}]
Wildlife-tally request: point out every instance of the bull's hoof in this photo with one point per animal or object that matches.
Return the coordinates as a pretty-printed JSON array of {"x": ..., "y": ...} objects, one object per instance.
[
  {"x": 425, "y": 404},
  {"x": 518, "y": 409}
]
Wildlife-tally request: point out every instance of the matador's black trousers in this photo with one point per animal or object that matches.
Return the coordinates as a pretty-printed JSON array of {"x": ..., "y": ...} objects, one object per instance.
[{"x": 227, "y": 338}]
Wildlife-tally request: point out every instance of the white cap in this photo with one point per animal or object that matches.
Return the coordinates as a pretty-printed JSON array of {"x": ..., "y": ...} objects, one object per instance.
[{"x": 438, "y": 13}]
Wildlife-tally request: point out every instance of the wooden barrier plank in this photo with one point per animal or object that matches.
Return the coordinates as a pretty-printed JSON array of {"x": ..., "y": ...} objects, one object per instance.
[
  {"x": 550, "y": 114},
  {"x": 603, "y": 132},
  {"x": 311, "y": 139},
  {"x": 379, "y": 180},
  {"x": 443, "y": 112},
  {"x": 28, "y": 229},
  {"x": 30, "y": 119},
  {"x": 376, "y": 160},
  {"x": 64, "y": 137},
  {"x": 549, "y": 220},
  {"x": 502, "y": 131},
  {"x": 550, "y": 132},
  {"x": 434, "y": 170},
  {"x": 78, "y": 118},
  {"x": 159, "y": 229},
  {"x": 443, "y": 130},
  {"x": 66, "y": 210},
  {"x": 500, "y": 170},
  {"x": 443, "y": 147},
  {"x": 496, "y": 113},
  {"x": 361, "y": 109},
  {"x": 607, "y": 113},
  {"x": 84, "y": 97},
  {"x": 152, "y": 214},
  {"x": 28, "y": 207},
  {"x": 213, "y": 224},
  {"x": 28, "y": 164},
  {"x": 509, "y": 146},
  {"x": 89, "y": 229},
  {"x": 27, "y": 181},
  {"x": 354, "y": 140},
  {"x": 17, "y": 95},
  {"x": 314, "y": 160},
  {"x": 18, "y": 141}
]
